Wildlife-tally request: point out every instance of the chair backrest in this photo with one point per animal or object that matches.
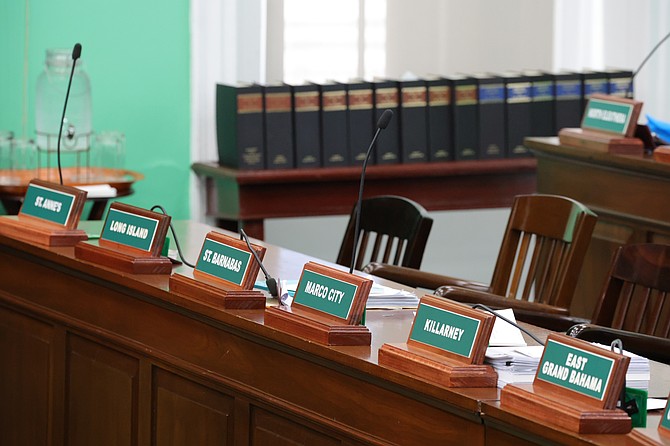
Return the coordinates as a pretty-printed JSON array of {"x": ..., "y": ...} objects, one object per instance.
[
  {"x": 543, "y": 249},
  {"x": 635, "y": 294},
  {"x": 393, "y": 230}
]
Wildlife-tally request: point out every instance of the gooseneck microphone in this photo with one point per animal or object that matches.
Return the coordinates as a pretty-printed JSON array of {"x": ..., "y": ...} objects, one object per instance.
[
  {"x": 629, "y": 89},
  {"x": 76, "y": 54},
  {"x": 269, "y": 281},
  {"x": 382, "y": 123},
  {"x": 485, "y": 308}
]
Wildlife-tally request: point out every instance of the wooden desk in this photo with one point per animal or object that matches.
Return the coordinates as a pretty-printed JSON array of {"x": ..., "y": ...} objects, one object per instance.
[
  {"x": 631, "y": 196},
  {"x": 93, "y": 356},
  {"x": 246, "y": 198}
]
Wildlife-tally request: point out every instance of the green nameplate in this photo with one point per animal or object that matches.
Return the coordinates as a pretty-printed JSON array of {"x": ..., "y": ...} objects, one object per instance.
[
  {"x": 129, "y": 229},
  {"x": 48, "y": 204},
  {"x": 445, "y": 330},
  {"x": 326, "y": 294},
  {"x": 611, "y": 115},
  {"x": 223, "y": 261},
  {"x": 575, "y": 369},
  {"x": 665, "y": 420}
]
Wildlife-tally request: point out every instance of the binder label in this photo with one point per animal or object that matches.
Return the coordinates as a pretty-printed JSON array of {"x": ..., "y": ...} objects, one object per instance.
[
  {"x": 491, "y": 93},
  {"x": 566, "y": 90}
]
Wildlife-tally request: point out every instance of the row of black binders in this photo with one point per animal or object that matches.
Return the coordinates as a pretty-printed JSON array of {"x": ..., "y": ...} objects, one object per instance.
[{"x": 439, "y": 118}]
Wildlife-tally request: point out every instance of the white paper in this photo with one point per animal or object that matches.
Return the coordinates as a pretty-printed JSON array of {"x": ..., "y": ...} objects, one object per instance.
[{"x": 504, "y": 333}]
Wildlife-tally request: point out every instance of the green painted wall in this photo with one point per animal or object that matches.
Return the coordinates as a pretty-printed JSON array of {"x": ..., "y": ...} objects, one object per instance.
[{"x": 137, "y": 55}]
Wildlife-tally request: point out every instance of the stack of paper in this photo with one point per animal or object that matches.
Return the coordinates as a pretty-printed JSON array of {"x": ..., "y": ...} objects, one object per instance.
[
  {"x": 514, "y": 364},
  {"x": 386, "y": 297},
  {"x": 638, "y": 373},
  {"x": 380, "y": 296},
  {"x": 519, "y": 364}
]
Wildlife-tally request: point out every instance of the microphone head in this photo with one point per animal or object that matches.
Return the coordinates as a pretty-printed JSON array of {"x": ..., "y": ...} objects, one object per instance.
[
  {"x": 76, "y": 51},
  {"x": 384, "y": 119}
]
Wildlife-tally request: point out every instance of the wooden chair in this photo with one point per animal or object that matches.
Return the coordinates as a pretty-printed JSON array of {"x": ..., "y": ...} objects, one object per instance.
[
  {"x": 538, "y": 263},
  {"x": 396, "y": 228},
  {"x": 634, "y": 305}
]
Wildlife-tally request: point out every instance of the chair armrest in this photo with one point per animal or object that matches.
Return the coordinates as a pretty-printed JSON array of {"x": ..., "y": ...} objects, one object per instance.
[
  {"x": 494, "y": 301},
  {"x": 553, "y": 322},
  {"x": 417, "y": 278},
  {"x": 652, "y": 347},
  {"x": 542, "y": 315}
]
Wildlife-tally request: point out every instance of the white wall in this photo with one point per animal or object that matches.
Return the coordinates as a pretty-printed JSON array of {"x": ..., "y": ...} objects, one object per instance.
[
  {"x": 437, "y": 36},
  {"x": 441, "y": 36}
]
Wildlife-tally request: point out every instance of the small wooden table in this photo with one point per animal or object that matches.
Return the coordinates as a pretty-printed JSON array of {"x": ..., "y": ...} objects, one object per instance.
[
  {"x": 245, "y": 198},
  {"x": 11, "y": 195}
]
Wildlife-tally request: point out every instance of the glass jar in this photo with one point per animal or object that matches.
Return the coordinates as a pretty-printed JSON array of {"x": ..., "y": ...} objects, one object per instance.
[
  {"x": 108, "y": 151},
  {"x": 50, "y": 97},
  {"x": 6, "y": 156}
]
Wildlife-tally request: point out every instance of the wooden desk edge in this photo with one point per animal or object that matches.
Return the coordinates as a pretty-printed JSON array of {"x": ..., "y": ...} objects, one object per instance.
[{"x": 476, "y": 167}]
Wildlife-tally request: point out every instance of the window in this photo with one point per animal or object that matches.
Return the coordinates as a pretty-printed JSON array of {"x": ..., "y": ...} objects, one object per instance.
[{"x": 333, "y": 40}]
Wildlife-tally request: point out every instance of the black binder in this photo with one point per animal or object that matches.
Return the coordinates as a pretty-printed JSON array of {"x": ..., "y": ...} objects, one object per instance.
[
  {"x": 464, "y": 99},
  {"x": 307, "y": 125},
  {"x": 517, "y": 113},
  {"x": 360, "y": 120},
  {"x": 388, "y": 143},
  {"x": 491, "y": 115},
  {"x": 334, "y": 136},
  {"x": 279, "y": 152},
  {"x": 239, "y": 126},
  {"x": 568, "y": 106},
  {"x": 413, "y": 121},
  {"x": 440, "y": 134},
  {"x": 542, "y": 103}
]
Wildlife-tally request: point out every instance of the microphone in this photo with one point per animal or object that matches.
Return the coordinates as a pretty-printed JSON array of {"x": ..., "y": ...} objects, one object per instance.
[
  {"x": 629, "y": 89},
  {"x": 485, "y": 308},
  {"x": 76, "y": 54},
  {"x": 269, "y": 281},
  {"x": 382, "y": 123}
]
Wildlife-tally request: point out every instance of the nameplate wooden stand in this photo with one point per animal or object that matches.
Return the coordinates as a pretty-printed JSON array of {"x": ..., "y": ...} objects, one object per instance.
[
  {"x": 49, "y": 215},
  {"x": 446, "y": 346},
  {"x": 552, "y": 395},
  {"x": 224, "y": 274},
  {"x": 327, "y": 308},
  {"x": 608, "y": 125},
  {"x": 132, "y": 239}
]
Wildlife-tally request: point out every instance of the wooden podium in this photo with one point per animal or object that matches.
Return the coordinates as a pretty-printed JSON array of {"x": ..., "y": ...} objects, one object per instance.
[
  {"x": 567, "y": 393},
  {"x": 455, "y": 363},
  {"x": 317, "y": 315},
  {"x": 224, "y": 274},
  {"x": 49, "y": 215}
]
